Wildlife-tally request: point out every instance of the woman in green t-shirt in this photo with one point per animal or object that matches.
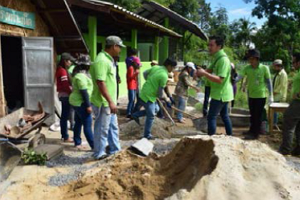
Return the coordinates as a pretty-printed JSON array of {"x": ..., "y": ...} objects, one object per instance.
[{"x": 80, "y": 100}]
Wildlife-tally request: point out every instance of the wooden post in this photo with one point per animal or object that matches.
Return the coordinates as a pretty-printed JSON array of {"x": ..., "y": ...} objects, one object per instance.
[{"x": 2, "y": 96}]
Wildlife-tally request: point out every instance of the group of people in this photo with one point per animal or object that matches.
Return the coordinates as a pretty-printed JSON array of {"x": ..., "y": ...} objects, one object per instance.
[
  {"x": 258, "y": 81},
  {"x": 92, "y": 88}
]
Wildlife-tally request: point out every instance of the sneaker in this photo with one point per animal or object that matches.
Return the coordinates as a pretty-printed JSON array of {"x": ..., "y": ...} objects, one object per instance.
[
  {"x": 251, "y": 137},
  {"x": 136, "y": 119},
  {"x": 152, "y": 138},
  {"x": 296, "y": 151}
]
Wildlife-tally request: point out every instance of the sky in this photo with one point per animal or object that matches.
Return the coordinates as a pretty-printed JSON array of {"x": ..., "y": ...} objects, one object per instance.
[{"x": 237, "y": 9}]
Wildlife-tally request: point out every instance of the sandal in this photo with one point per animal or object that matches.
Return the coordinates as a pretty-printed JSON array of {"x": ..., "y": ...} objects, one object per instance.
[
  {"x": 69, "y": 140},
  {"x": 81, "y": 148}
]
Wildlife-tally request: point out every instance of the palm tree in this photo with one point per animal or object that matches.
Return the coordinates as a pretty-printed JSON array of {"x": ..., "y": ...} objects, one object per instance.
[{"x": 245, "y": 30}]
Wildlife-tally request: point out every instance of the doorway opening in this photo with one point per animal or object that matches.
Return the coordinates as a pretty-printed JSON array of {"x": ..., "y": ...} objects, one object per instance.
[{"x": 12, "y": 65}]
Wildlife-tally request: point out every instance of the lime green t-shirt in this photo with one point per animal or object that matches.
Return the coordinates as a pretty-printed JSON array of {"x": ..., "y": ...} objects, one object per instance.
[
  {"x": 81, "y": 81},
  {"x": 70, "y": 72},
  {"x": 296, "y": 83},
  {"x": 224, "y": 91},
  {"x": 157, "y": 77},
  {"x": 256, "y": 80},
  {"x": 103, "y": 69}
]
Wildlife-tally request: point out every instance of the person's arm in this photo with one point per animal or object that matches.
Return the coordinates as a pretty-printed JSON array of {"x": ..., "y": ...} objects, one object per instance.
[
  {"x": 130, "y": 74},
  {"x": 189, "y": 84},
  {"x": 65, "y": 82},
  {"x": 209, "y": 76},
  {"x": 101, "y": 70},
  {"x": 270, "y": 88},
  {"x": 104, "y": 92},
  {"x": 146, "y": 73}
]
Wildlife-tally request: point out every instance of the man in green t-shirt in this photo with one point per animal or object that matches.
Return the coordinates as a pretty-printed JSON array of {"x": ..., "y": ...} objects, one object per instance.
[
  {"x": 218, "y": 73},
  {"x": 156, "y": 81},
  {"x": 104, "y": 98},
  {"x": 291, "y": 118},
  {"x": 258, "y": 81}
]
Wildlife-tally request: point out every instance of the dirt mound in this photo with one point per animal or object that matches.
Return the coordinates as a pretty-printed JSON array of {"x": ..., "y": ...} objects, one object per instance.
[
  {"x": 132, "y": 177},
  {"x": 198, "y": 168},
  {"x": 131, "y": 130}
]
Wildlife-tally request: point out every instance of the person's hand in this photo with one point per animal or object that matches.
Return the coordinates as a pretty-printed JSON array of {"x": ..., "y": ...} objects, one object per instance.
[
  {"x": 172, "y": 100},
  {"x": 113, "y": 108},
  {"x": 169, "y": 105},
  {"x": 197, "y": 89},
  {"x": 271, "y": 100},
  {"x": 89, "y": 110}
]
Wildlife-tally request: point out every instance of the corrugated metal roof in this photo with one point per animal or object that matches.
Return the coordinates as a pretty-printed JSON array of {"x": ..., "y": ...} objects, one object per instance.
[
  {"x": 130, "y": 15},
  {"x": 156, "y": 12}
]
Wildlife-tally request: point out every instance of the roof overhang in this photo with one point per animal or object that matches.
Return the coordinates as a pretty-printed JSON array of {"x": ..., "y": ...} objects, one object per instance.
[
  {"x": 115, "y": 17},
  {"x": 156, "y": 12},
  {"x": 62, "y": 25}
]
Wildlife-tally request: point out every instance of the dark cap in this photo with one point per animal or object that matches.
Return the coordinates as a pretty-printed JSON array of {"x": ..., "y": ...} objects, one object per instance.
[
  {"x": 114, "y": 40},
  {"x": 83, "y": 59},
  {"x": 67, "y": 56},
  {"x": 253, "y": 53}
]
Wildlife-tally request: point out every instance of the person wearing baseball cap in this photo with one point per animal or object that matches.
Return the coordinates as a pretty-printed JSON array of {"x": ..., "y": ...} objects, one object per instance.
[
  {"x": 80, "y": 100},
  {"x": 181, "y": 90},
  {"x": 258, "y": 82},
  {"x": 104, "y": 99},
  {"x": 64, "y": 89},
  {"x": 280, "y": 85}
]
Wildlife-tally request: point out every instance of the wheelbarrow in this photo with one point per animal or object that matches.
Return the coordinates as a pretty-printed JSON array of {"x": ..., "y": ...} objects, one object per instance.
[{"x": 12, "y": 144}]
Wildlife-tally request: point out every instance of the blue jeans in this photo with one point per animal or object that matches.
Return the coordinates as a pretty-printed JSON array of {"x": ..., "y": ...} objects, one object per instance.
[
  {"x": 150, "y": 111},
  {"x": 105, "y": 132},
  {"x": 215, "y": 108},
  {"x": 181, "y": 104},
  {"x": 65, "y": 113},
  {"x": 131, "y": 99},
  {"x": 85, "y": 119},
  {"x": 206, "y": 99}
]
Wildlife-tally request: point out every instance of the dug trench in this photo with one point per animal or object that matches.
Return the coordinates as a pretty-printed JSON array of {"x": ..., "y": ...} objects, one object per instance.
[{"x": 131, "y": 177}]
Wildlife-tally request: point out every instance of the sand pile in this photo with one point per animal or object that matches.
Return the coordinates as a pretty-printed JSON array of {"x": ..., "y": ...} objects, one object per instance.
[
  {"x": 131, "y": 130},
  {"x": 199, "y": 168}
]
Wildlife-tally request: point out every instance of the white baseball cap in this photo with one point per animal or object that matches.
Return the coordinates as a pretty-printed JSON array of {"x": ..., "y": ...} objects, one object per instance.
[{"x": 191, "y": 65}]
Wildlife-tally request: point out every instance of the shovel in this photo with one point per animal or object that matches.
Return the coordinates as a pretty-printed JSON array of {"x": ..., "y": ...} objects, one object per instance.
[
  {"x": 166, "y": 111},
  {"x": 199, "y": 123}
]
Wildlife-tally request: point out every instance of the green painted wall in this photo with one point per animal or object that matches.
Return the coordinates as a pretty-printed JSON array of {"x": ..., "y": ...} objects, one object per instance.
[{"x": 122, "y": 72}]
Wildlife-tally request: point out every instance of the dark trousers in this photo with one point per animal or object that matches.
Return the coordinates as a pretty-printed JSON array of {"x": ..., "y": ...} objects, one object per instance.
[
  {"x": 206, "y": 99},
  {"x": 256, "y": 107},
  {"x": 65, "y": 113},
  {"x": 216, "y": 108},
  {"x": 291, "y": 125}
]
